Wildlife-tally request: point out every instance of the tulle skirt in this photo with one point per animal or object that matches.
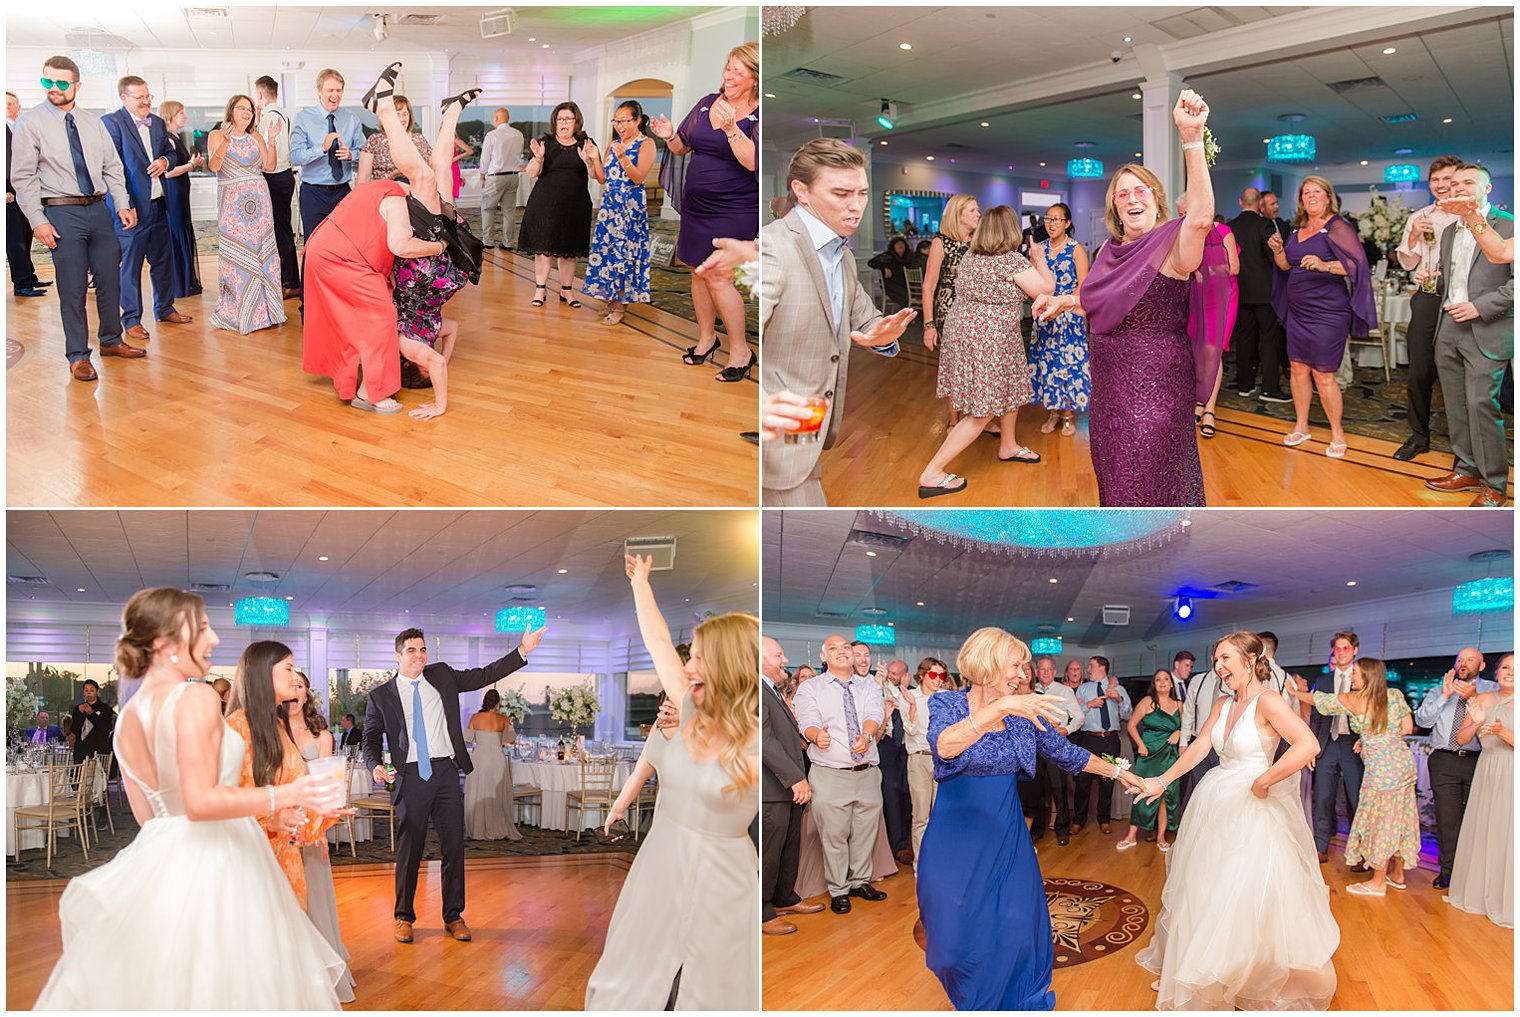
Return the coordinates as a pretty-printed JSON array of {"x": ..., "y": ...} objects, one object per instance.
[
  {"x": 190, "y": 916},
  {"x": 1245, "y": 915}
]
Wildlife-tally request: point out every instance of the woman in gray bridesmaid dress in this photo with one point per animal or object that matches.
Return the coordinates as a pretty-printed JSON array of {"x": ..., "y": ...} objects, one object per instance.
[
  {"x": 488, "y": 804},
  {"x": 1483, "y": 873}
]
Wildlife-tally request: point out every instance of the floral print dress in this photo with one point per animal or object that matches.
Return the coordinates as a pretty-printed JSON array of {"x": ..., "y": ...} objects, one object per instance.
[
  {"x": 1058, "y": 354},
  {"x": 618, "y": 267},
  {"x": 424, "y": 285},
  {"x": 981, "y": 360},
  {"x": 1387, "y": 822}
]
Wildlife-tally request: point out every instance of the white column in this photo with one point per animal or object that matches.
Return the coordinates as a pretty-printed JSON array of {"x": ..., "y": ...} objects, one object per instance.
[
  {"x": 1163, "y": 149},
  {"x": 870, "y": 220},
  {"x": 316, "y": 669},
  {"x": 611, "y": 690}
]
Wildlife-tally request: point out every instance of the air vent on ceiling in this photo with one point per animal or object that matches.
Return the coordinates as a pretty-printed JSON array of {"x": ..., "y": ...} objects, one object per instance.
[
  {"x": 1115, "y": 614},
  {"x": 206, "y": 12},
  {"x": 1398, "y": 118},
  {"x": 952, "y": 146},
  {"x": 420, "y": 19},
  {"x": 1357, "y": 84},
  {"x": 498, "y": 23},
  {"x": 262, "y": 577},
  {"x": 28, "y": 580},
  {"x": 1493, "y": 555},
  {"x": 840, "y": 130},
  {"x": 877, "y": 541},
  {"x": 209, "y": 587},
  {"x": 831, "y": 614},
  {"x": 808, "y": 76},
  {"x": 1234, "y": 586},
  {"x": 661, "y": 549}
]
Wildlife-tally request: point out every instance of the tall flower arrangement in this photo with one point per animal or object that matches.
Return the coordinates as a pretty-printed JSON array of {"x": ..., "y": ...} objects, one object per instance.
[
  {"x": 21, "y": 706},
  {"x": 514, "y": 706},
  {"x": 1385, "y": 222},
  {"x": 577, "y": 706}
]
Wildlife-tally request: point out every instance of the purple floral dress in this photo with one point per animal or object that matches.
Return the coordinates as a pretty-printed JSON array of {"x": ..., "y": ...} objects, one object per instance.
[{"x": 423, "y": 286}]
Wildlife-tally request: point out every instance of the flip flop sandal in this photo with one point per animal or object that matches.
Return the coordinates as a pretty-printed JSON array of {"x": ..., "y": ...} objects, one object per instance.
[
  {"x": 1360, "y": 890},
  {"x": 1125, "y": 845},
  {"x": 386, "y": 405},
  {"x": 1398, "y": 886},
  {"x": 1164, "y": 846},
  {"x": 1069, "y": 427},
  {"x": 1020, "y": 457},
  {"x": 1336, "y": 450},
  {"x": 940, "y": 489},
  {"x": 1296, "y": 438}
]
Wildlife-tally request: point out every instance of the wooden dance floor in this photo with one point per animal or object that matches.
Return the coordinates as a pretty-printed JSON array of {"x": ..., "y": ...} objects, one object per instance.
[
  {"x": 893, "y": 424},
  {"x": 546, "y": 407},
  {"x": 1407, "y": 951},
  {"x": 538, "y": 923}
]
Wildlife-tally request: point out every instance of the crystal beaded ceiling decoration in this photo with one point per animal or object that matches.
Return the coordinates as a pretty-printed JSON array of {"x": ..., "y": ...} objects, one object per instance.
[
  {"x": 876, "y": 635},
  {"x": 1291, "y": 148},
  {"x": 519, "y": 619},
  {"x": 1084, "y": 169},
  {"x": 1046, "y": 644},
  {"x": 774, "y": 20},
  {"x": 1497, "y": 594},
  {"x": 1401, "y": 173},
  {"x": 261, "y": 611},
  {"x": 1046, "y": 533}
]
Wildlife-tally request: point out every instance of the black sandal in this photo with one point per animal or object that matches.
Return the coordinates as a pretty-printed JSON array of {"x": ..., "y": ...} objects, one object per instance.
[
  {"x": 1207, "y": 430},
  {"x": 539, "y": 301},
  {"x": 464, "y": 98},
  {"x": 570, "y": 299},
  {"x": 732, "y": 374},
  {"x": 692, "y": 357},
  {"x": 376, "y": 92},
  {"x": 940, "y": 490}
]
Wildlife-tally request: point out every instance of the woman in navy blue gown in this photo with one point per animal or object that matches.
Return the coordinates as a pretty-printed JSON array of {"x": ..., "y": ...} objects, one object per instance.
[{"x": 980, "y": 894}]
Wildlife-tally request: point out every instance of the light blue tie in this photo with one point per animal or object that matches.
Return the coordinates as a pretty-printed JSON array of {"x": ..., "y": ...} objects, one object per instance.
[
  {"x": 419, "y": 733},
  {"x": 837, "y": 253}
]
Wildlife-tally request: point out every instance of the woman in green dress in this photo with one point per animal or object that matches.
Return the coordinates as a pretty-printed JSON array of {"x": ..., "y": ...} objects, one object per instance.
[
  {"x": 1155, "y": 728},
  {"x": 1385, "y": 835}
]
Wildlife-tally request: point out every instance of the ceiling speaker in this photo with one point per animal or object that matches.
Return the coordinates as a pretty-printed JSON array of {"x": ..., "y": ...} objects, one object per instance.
[
  {"x": 662, "y": 550},
  {"x": 1115, "y": 614}
]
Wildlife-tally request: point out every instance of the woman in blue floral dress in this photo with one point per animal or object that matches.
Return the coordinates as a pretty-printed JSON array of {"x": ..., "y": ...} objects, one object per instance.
[
  {"x": 1058, "y": 354},
  {"x": 617, "y": 270}
]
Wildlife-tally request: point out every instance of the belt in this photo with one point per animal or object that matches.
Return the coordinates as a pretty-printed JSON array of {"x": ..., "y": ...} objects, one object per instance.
[
  {"x": 919, "y": 752},
  {"x": 327, "y": 186},
  {"x": 1458, "y": 752},
  {"x": 75, "y": 199},
  {"x": 848, "y": 769},
  {"x": 504, "y": 173}
]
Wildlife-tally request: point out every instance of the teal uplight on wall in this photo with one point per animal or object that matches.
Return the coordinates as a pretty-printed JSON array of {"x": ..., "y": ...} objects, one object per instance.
[
  {"x": 1401, "y": 173},
  {"x": 1291, "y": 148},
  {"x": 1084, "y": 168},
  {"x": 261, "y": 611},
  {"x": 519, "y": 619},
  {"x": 876, "y": 635},
  {"x": 1046, "y": 644},
  {"x": 1484, "y": 595}
]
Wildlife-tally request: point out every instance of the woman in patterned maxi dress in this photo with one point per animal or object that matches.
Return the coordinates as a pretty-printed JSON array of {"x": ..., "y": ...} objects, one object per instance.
[
  {"x": 617, "y": 269},
  {"x": 249, "y": 296},
  {"x": 1058, "y": 354}
]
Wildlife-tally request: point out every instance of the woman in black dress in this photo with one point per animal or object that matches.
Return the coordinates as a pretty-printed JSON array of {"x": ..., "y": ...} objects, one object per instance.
[
  {"x": 187, "y": 272},
  {"x": 557, "y": 221}
]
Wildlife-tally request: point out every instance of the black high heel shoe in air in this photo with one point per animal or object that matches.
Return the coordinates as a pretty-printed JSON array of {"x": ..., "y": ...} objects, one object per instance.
[
  {"x": 381, "y": 88},
  {"x": 464, "y": 98}
]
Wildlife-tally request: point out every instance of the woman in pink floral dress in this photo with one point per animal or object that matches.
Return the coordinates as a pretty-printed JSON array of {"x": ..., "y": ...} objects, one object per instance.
[
  {"x": 982, "y": 369},
  {"x": 249, "y": 295}
]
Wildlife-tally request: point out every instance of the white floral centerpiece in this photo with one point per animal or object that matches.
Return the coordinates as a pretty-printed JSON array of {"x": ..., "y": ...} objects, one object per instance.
[
  {"x": 21, "y": 706},
  {"x": 1383, "y": 223},
  {"x": 514, "y": 706},
  {"x": 576, "y": 706}
]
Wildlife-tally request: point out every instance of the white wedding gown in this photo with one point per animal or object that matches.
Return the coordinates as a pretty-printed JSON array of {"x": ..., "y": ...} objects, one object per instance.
[
  {"x": 1245, "y": 914},
  {"x": 190, "y": 915}
]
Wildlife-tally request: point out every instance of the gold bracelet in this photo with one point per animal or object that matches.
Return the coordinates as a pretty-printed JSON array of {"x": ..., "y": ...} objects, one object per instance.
[{"x": 971, "y": 716}]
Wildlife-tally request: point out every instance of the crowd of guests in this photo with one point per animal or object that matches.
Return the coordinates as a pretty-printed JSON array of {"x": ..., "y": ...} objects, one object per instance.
[{"x": 107, "y": 194}]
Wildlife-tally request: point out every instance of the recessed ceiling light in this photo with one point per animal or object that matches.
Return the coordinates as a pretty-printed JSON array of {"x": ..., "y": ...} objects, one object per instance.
[
  {"x": 929, "y": 157},
  {"x": 290, "y": 598},
  {"x": 544, "y": 46},
  {"x": 1040, "y": 164},
  {"x": 1070, "y": 618},
  {"x": 892, "y": 624},
  {"x": 1446, "y": 121},
  {"x": 986, "y": 124},
  {"x": 79, "y": 589},
  {"x": 1128, "y": 38},
  {"x": 881, "y": 142},
  {"x": 1351, "y": 582},
  {"x": 1364, "y": 162},
  {"x": 321, "y": 557},
  {"x": 531, "y": 39},
  {"x": 770, "y": 95},
  {"x": 563, "y": 571},
  {"x": 1139, "y": 156},
  {"x": 1266, "y": 141},
  {"x": 1053, "y": 579},
  {"x": 920, "y": 603},
  {"x": 1389, "y": 51},
  {"x": 1134, "y": 95},
  {"x": 905, "y": 45},
  {"x": 870, "y": 554}
]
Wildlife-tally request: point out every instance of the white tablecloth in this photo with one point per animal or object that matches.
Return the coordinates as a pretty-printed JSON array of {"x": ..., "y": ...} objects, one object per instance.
[
  {"x": 21, "y": 790},
  {"x": 556, "y": 779},
  {"x": 1396, "y": 312}
]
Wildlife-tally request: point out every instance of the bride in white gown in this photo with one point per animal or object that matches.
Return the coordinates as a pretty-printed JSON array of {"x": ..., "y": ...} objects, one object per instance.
[
  {"x": 194, "y": 914},
  {"x": 1245, "y": 915}
]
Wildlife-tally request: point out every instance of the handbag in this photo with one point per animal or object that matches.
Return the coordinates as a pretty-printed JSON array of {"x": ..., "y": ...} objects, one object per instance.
[{"x": 464, "y": 248}]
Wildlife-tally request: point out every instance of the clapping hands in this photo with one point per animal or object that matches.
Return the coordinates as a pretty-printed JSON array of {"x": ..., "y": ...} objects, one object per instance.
[
  {"x": 588, "y": 151},
  {"x": 537, "y": 147},
  {"x": 721, "y": 115},
  {"x": 662, "y": 128}
]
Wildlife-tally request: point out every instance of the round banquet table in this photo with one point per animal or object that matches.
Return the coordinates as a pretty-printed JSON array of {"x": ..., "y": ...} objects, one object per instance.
[
  {"x": 21, "y": 790},
  {"x": 555, "y": 780},
  {"x": 1396, "y": 312}
]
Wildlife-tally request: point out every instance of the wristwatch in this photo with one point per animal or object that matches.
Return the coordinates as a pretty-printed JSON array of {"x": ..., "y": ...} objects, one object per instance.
[{"x": 1478, "y": 228}]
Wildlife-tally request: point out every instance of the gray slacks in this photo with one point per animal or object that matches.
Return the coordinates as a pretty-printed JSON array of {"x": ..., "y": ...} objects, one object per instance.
[
  {"x": 1470, "y": 384},
  {"x": 498, "y": 210},
  {"x": 847, "y": 812}
]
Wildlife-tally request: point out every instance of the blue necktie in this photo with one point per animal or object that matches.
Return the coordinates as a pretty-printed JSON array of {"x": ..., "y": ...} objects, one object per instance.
[
  {"x": 851, "y": 721},
  {"x": 836, "y": 249},
  {"x": 76, "y": 149},
  {"x": 333, "y": 161},
  {"x": 419, "y": 733}
]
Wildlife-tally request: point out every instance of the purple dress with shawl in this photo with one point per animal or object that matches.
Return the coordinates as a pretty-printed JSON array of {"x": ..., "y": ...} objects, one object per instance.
[
  {"x": 1147, "y": 373},
  {"x": 713, "y": 193},
  {"x": 1317, "y": 310}
]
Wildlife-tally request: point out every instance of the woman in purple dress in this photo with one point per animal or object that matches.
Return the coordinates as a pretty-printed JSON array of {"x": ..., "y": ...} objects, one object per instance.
[
  {"x": 718, "y": 197},
  {"x": 1318, "y": 312},
  {"x": 1146, "y": 374}
]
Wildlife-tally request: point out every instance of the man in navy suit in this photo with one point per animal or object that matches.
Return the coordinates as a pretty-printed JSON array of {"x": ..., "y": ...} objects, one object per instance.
[
  {"x": 416, "y": 713},
  {"x": 147, "y": 153},
  {"x": 1337, "y": 764}
]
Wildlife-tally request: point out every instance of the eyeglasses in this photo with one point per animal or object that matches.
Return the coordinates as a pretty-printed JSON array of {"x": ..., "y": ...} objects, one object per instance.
[
  {"x": 61, "y": 84},
  {"x": 1140, "y": 192},
  {"x": 624, "y": 120},
  {"x": 1055, "y": 218}
]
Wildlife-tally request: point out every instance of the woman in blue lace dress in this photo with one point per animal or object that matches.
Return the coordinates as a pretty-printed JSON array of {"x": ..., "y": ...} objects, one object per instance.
[
  {"x": 1058, "y": 354},
  {"x": 617, "y": 269},
  {"x": 980, "y": 893}
]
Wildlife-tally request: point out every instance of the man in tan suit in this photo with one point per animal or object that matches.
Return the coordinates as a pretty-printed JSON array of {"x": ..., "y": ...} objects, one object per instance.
[{"x": 813, "y": 307}]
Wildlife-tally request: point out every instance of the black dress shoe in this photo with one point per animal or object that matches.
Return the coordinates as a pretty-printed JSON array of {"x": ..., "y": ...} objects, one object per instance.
[
  {"x": 866, "y": 891},
  {"x": 1062, "y": 839},
  {"x": 29, "y": 291},
  {"x": 1412, "y": 447},
  {"x": 1036, "y": 834},
  {"x": 839, "y": 905},
  {"x": 1441, "y": 882}
]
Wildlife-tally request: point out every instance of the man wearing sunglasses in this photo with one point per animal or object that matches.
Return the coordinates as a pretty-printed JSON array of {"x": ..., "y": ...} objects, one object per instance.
[{"x": 64, "y": 166}]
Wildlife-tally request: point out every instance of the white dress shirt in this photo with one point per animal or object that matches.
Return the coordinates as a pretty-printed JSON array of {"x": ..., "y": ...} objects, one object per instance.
[
  {"x": 1425, "y": 252},
  {"x": 1068, "y": 697},
  {"x": 1463, "y": 248},
  {"x": 281, "y": 135},
  {"x": 894, "y": 722},
  {"x": 1118, "y": 712},
  {"x": 916, "y": 728},
  {"x": 819, "y": 703},
  {"x": 1339, "y": 724},
  {"x": 144, "y": 132},
  {"x": 502, "y": 150},
  {"x": 437, "y": 727}
]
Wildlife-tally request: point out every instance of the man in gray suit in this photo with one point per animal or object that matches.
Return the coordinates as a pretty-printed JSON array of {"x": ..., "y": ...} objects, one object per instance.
[
  {"x": 813, "y": 307},
  {"x": 1475, "y": 340}
]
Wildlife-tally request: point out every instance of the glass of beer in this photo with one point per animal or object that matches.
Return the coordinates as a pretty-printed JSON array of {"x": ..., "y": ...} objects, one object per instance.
[
  {"x": 1428, "y": 284},
  {"x": 811, "y": 429}
]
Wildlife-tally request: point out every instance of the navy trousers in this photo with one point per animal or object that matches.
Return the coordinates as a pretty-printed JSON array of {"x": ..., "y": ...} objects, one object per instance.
[
  {"x": 149, "y": 240},
  {"x": 86, "y": 244},
  {"x": 1337, "y": 766}
]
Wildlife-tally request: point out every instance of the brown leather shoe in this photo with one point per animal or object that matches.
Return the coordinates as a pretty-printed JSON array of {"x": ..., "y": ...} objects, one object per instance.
[
  {"x": 403, "y": 931},
  {"x": 905, "y": 856},
  {"x": 122, "y": 350},
  {"x": 291, "y": 293},
  {"x": 458, "y": 929},
  {"x": 1489, "y": 498},
  {"x": 175, "y": 318},
  {"x": 777, "y": 927},
  {"x": 1454, "y": 481},
  {"x": 1105, "y": 829},
  {"x": 800, "y": 908},
  {"x": 139, "y": 333},
  {"x": 83, "y": 370}
]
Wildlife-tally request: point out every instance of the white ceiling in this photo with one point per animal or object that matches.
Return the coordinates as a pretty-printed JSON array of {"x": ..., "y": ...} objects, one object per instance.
[
  {"x": 438, "y": 563},
  {"x": 1299, "y": 561},
  {"x": 564, "y": 29},
  {"x": 1463, "y": 70}
]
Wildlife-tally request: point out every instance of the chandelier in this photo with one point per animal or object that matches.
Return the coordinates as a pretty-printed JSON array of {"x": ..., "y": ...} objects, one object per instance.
[
  {"x": 775, "y": 20},
  {"x": 1046, "y": 533}
]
